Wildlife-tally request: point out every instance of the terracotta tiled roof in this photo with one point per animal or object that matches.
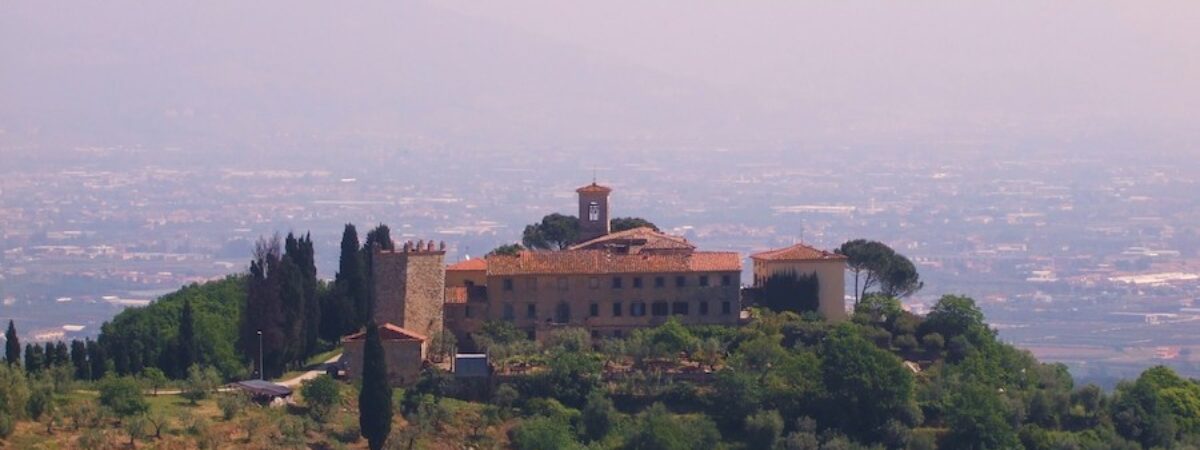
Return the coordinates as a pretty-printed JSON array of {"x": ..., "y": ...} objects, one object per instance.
[
  {"x": 388, "y": 332},
  {"x": 594, "y": 188},
  {"x": 798, "y": 252},
  {"x": 470, "y": 265},
  {"x": 642, "y": 237},
  {"x": 604, "y": 262}
]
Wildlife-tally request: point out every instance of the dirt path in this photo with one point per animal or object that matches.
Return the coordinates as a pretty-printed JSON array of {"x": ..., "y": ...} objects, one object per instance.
[{"x": 296, "y": 381}]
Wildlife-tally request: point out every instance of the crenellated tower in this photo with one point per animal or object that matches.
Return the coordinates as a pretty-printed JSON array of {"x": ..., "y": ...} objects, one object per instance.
[{"x": 409, "y": 286}]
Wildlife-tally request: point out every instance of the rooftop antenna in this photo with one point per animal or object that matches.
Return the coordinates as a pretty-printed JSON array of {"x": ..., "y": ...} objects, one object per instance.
[{"x": 593, "y": 175}]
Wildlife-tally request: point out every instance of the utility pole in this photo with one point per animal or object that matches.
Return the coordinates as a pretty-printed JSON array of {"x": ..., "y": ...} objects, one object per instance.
[{"x": 261, "y": 374}]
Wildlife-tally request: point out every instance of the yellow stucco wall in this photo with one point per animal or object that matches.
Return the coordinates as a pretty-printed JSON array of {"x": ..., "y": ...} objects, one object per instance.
[{"x": 831, "y": 275}]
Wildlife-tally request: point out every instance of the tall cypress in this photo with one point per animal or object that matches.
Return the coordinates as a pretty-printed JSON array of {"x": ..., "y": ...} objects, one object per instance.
[
  {"x": 265, "y": 310},
  {"x": 12, "y": 345},
  {"x": 33, "y": 358},
  {"x": 186, "y": 338},
  {"x": 62, "y": 355},
  {"x": 97, "y": 359},
  {"x": 312, "y": 304},
  {"x": 79, "y": 359},
  {"x": 375, "y": 398},
  {"x": 350, "y": 283},
  {"x": 292, "y": 301},
  {"x": 381, "y": 237}
]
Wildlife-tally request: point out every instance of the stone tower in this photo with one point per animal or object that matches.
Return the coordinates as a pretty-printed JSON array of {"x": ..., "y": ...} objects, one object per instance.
[
  {"x": 593, "y": 211},
  {"x": 409, "y": 286}
]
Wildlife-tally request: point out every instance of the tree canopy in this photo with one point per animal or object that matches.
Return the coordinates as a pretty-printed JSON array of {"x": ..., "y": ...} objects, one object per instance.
[
  {"x": 507, "y": 250},
  {"x": 874, "y": 264},
  {"x": 150, "y": 336},
  {"x": 554, "y": 232},
  {"x": 629, "y": 223}
]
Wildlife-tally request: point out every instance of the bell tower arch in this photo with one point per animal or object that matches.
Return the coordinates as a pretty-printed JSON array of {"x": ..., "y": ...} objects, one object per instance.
[{"x": 593, "y": 211}]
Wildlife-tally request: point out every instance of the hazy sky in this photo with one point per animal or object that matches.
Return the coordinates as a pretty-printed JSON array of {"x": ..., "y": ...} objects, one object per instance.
[{"x": 531, "y": 70}]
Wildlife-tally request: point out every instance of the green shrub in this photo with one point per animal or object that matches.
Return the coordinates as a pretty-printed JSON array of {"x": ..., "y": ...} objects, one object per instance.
[
  {"x": 231, "y": 405},
  {"x": 933, "y": 342},
  {"x": 322, "y": 394},
  {"x": 7, "y": 424},
  {"x": 123, "y": 396}
]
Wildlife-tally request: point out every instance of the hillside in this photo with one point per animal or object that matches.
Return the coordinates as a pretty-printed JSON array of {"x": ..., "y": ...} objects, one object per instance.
[{"x": 888, "y": 379}]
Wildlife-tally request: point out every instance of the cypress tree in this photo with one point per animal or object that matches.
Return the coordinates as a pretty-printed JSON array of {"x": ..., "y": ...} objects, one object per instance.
[
  {"x": 12, "y": 345},
  {"x": 33, "y": 358},
  {"x": 97, "y": 359},
  {"x": 312, "y": 305},
  {"x": 62, "y": 355},
  {"x": 350, "y": 285},
  {"x": 265, "y": 310},
  {"x": 381, "y": 235},
  {"x": 79, "y": 359},
  {"x": 186, "y": 337},
  {"x": 292, "y": 301},
  {"x": 375, "y": 398}
]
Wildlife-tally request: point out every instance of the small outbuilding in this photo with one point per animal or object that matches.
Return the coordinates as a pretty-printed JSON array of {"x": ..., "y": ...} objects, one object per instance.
[
  {"x": 403, "y": 349},
  {"x": 262, "y": 391}
]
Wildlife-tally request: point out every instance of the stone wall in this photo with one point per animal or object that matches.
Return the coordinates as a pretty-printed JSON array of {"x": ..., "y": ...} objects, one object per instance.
[
  {"x": 425, "y": 293},
  {"x": 404, "y": 359},
  {"x": 409, "y": 287}
]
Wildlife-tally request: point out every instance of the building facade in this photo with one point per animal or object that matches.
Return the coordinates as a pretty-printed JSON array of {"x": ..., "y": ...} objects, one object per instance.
[
  {"x": 800, "y": 259},
  {"x": 407, "y": 286},
  {"x": 610, "y": 284},
  {"x": 404, "y": 351}
]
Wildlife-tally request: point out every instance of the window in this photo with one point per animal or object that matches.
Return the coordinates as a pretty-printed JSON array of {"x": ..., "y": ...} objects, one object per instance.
[
  {"x": 508, "y": 311},
  {"x": 726, "y": 280},
  {"x": 726, "y": 308},
  {"x": 594, "y": 310},
  {"x": 618, "y": 333},
  {"x": 637, "y": 309},
  {"x": 508, "y": 284},
  {"x": 704, "y": 308},
  {"x": 594, "y": 212},
  {"x": 637, "y": 282},
  {"x": 595, "y": 334},
  {"x": 680, "y": 281},
  {"x": 616, "y": 309},
  {"x": 593, "y": 283},
  {"x": 562, "y": 314},
  {"x": 616, "y": 284},
  {"x": 704, "y": 280},
  {"x": 531, "y": 311},
  {"x": 468, "y": 311},
  {"x": 659, "y": 309},
  {"x": 679, "y": 308},
  {"x": 660, "y": 282},
  {"x": 562, "y": 283}
]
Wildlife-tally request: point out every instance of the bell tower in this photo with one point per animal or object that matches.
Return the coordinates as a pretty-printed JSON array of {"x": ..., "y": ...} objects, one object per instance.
[{"x": 593, "y": 211}]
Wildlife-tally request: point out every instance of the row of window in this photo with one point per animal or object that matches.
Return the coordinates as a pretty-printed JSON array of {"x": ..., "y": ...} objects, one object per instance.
[
  {"x": 636, "y": 309},
  {"x": 619, "y": 282}
]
